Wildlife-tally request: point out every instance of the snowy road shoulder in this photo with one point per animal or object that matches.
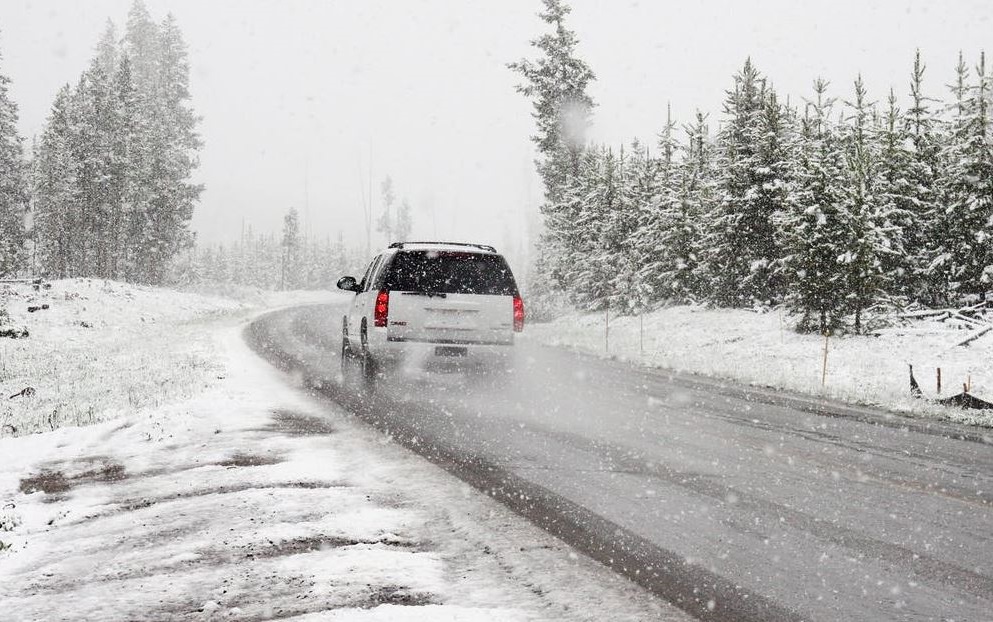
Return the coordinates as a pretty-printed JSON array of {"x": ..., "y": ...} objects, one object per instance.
[
  {"x": 761, "y": 349},
  {"x": 251, "y": 501}
]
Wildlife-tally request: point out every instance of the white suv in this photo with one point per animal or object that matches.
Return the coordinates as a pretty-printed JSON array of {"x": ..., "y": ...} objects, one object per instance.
[{"x": 428, "y": 300}]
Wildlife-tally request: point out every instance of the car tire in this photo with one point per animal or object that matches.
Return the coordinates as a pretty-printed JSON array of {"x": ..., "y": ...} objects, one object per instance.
[
  {"x": 346, "y": 349},
  {"x": 368, "y": 367}
]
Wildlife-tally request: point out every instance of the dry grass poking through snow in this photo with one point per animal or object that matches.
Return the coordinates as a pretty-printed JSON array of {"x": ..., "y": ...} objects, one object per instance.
[{"x": 103, "y": 349}]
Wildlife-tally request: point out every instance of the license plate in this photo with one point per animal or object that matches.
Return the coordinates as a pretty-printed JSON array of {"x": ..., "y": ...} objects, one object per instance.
[{"x": 450, "y": 351}]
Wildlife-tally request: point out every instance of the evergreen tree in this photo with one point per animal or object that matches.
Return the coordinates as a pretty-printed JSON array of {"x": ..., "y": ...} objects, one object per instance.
[
  {"x": 13, "y": 185},
  {"x": 923, "y": 231},
  {"x": 175, "y": 142},
  {"x": 556, "y": 82},
  {"x": 965, "y": 254},
  {"x": 291, "y": 244},
  {"x": 641, "y": 191},
  {"x": 899, "y": 204},
  {"x": 56, "y": 192},
  {"x": 654, "y": 205},
  {"x": 683, "y": 236},
  {"x": 404, "y": 222},
  {"x": 561, "y": 240},
  {"x": 107, "y": 49},
  {"x": 741, "y": 249},
  {"x": 633, "y": 184},
  {"x": 131, "y": 160},
  {"x": 814, "y": 228},
  {"x": 102, "y": 174},
  {"x": 594, "y": 261},
  {"x": 385, "y": 225},
  {"x": 871, "y": 233},
  {"x": 141, "y": 44}
]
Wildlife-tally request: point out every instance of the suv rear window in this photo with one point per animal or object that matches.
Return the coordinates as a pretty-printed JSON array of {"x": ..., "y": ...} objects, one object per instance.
[{"x": 447, "y": 272}]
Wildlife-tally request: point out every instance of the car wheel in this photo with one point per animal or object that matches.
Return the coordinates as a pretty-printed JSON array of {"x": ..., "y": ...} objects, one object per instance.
[
  {"x": 367, "y": 364},
  {"x": 346, "y": 349}
]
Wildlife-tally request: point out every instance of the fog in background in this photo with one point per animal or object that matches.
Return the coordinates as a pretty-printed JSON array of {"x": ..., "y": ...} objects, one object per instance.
[{"x": 299, "y": 98}]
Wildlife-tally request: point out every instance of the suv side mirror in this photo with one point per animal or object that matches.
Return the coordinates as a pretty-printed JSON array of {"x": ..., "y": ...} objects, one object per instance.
[{"x": 348, "y": 284}]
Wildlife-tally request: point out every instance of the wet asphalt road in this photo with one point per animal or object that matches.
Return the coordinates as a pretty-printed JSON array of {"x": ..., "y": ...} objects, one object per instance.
[{"x": 734, "y": 504}]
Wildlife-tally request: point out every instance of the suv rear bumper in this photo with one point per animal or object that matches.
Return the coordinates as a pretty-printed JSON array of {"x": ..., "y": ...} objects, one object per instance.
[
  {"x": 408, "y": 351},
  {"x": 450, "y": 342}
]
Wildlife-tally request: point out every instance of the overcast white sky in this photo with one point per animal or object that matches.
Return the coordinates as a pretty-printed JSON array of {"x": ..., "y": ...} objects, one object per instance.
[{"x": 296, "y": 95}]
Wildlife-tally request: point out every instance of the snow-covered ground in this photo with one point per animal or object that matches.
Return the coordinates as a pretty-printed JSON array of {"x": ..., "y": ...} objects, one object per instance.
[
  {"x": 763, "y": 349},
  {"x": 104, "y": 349},
  {"x": 245, "y": 498}
]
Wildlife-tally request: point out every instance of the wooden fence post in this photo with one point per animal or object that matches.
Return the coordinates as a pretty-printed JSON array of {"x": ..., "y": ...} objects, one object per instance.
[
  {"x": 824, "y": 365},
  {"x": 606, "y": 329},
  {"x": 641, "y": 335}
]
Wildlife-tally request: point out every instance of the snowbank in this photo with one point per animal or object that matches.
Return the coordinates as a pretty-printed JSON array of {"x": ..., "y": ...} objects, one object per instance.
[{"x": 762, "y": 349}]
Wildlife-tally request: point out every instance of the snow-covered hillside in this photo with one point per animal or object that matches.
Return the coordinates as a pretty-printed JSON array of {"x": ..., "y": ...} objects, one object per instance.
[{"x": 763, "y": 349}]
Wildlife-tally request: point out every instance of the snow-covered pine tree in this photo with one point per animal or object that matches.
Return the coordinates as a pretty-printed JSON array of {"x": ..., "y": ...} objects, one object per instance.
[
  {"x": 683, "y": 237},
  {"x": 922, "y": 191},
  {"x": 655, "y": 197},
  {"x": 141, "y": 44},
  {"x": 773, "y": 179},
  {"x": 205, "y": 262},
  {"x": 128, "y": 157},
  {"x": 13, "y": 185},
  {"x": 589, "y": 258},
  {"x": 107, "y": 50},
  {"x": 85, "y": 142},
  {"x": 291, "y": 247},
  {"x": 966, "y": 252},
  {"x": 741, "y": 245},
  {"x": 173, "y": 132},
  {"x": 872, "y": 233},
  {"x": 102, "y": 175},
  {"x": 404, "y": 221},
  {"x": 671, "y": 240},
  {"x": 556, "y": 83},
  {"x": 898, "y": 201},
  {"x": 562, "y": 238},
  {"x": 56, "y": 192},
  {"x": 814, "y": 228},
  {"x": 385, "y": 224},
  {"x": 636, "y": 182},
  {"x": 222, "y": 265}
]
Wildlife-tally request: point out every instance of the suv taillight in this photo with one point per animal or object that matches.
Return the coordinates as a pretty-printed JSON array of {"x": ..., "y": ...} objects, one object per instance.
[
  {"x": 382, "y": 308},
  {"x": 518, "y": 314}
]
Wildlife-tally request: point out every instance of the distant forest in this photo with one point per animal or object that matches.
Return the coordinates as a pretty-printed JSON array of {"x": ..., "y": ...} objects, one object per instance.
[
  {"x": 267, "y": 261},
  {"x": 294, "y": 259},
  {"x": 831, "y": 207}
]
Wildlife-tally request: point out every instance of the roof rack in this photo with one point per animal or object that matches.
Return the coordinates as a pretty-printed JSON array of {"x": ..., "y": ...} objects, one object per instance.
[{"x": 485, "y": 247}]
